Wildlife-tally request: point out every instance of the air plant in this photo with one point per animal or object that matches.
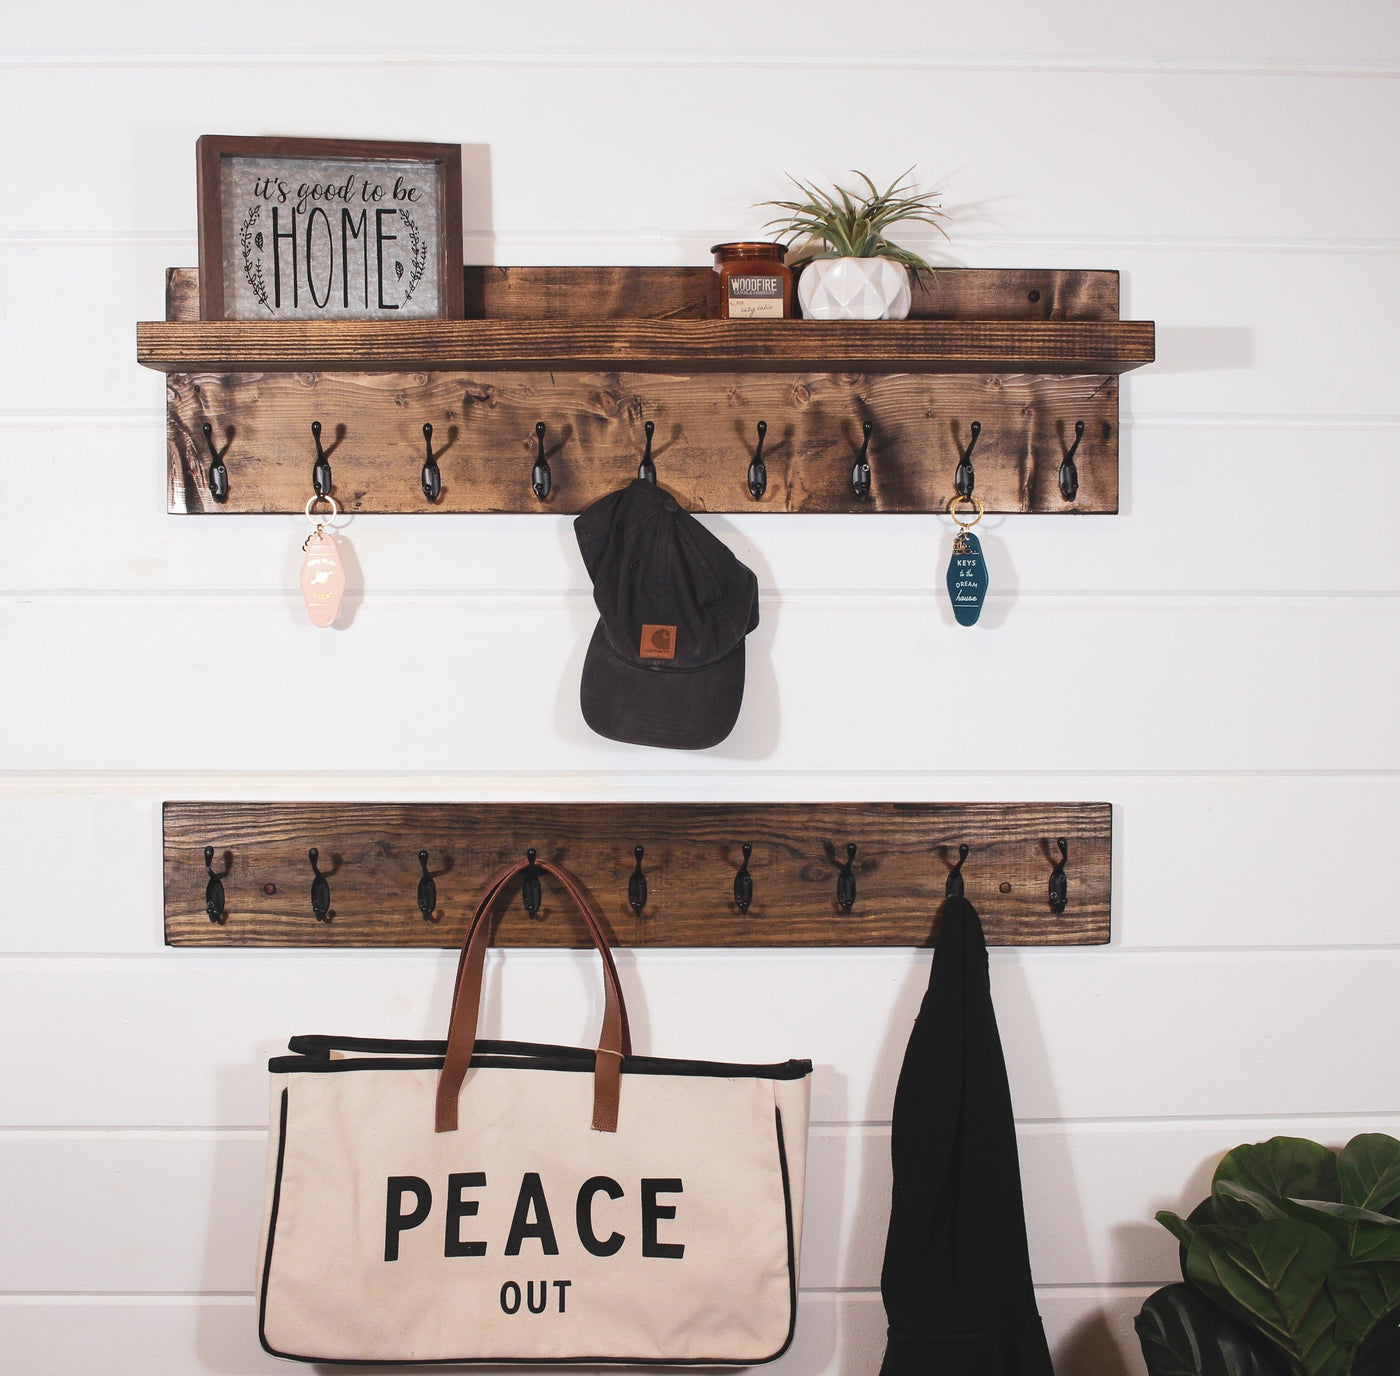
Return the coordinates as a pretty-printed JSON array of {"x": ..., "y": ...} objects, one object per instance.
[{"x": 853, "y": 226}]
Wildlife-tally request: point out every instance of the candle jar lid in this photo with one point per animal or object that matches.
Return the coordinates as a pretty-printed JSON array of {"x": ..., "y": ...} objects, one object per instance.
[{"x": 749, "y": 249}]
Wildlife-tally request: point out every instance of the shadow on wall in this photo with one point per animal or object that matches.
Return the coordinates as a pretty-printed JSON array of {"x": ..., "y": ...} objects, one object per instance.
[
  {"x": 1204, "y": 349},
  {"x": 478, "y": 234},
  {"x": 225, "y": 1335},
  {"x": 1093, "y": 1346}
]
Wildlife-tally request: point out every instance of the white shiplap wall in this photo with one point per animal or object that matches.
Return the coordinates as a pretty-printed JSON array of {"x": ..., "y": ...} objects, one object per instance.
[{"x": 1219, "y": 661}]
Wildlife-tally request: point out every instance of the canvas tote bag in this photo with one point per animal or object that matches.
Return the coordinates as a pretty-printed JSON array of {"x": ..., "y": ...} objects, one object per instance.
[{"x": 475, "y": 1200}]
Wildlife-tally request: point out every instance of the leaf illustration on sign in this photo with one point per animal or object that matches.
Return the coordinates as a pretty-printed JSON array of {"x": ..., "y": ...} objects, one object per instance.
[
  {"x": 252, "y": 268},
  {"x": 418, "y": 246},
  {"x": 967, "y": 579}
]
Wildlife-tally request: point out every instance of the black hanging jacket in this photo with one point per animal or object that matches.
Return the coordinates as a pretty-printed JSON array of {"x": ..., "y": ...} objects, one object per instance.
[{"x": 957, "y": 1276}]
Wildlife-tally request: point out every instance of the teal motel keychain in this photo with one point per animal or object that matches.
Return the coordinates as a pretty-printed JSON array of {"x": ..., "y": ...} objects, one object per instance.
[{"x": 967, "y": 569}]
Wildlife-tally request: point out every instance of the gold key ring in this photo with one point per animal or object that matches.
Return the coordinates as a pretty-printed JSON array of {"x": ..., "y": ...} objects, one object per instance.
[
  {"x": 320, "y": 525},
  {"x": 335, "y": 510},
  {"x": 974, "y": 500}
]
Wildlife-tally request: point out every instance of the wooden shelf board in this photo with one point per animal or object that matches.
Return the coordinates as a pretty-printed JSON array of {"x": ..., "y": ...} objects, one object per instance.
[
  {"x": 483, "y": 436},
  {"x": 369, "y": 852},
  {"x": 874, "y": 346},
  {"x": 681, "y": 293}
]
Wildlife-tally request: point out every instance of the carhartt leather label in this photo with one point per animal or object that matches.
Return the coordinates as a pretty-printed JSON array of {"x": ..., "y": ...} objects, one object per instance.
[{"x": 658, "y": 642}]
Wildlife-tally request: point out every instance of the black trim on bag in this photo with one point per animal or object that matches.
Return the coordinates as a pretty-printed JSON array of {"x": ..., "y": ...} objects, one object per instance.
[
  {"x": 535, "y": 1361},
  {"x": 792, "y": 1242},
  {"x": 315, "y": 1058},
  {"x": 272, "y": 1228}
]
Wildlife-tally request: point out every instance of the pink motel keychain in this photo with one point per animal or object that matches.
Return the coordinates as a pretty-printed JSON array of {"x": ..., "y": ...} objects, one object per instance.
[{"x": 322, "y": 572}]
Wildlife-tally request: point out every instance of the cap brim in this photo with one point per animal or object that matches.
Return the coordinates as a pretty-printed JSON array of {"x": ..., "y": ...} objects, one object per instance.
[{"x": 678, "y": 709}]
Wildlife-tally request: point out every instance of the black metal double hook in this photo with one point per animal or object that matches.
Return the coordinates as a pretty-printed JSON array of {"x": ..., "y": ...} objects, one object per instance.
[
  {"x": 1059, "y": 884},
  {"x": 953, "y": 885},
  {"x": 846, "y": 881},
  {"x": 637, "y": 884},
  {"x": 743, "y": 882},
  {"x": 320, "y": 889},
  {"x": 646, "y": 470},
  {"x": 1069, "y": 474},
  {"x": 432, "y": 474},
  {"x": 530, "y": 889},
  {"x": 214, "y": 889},
  {"x": 860, "y": 471},
  {"x": 321, "y": 469},
  {"x": 541, "y": 479},
  {"x": 758, "y": 470},
  {"x": 964, "y": 479},
  {"x": 218, "y": 474},
  {"x": 427, "y": 890}
]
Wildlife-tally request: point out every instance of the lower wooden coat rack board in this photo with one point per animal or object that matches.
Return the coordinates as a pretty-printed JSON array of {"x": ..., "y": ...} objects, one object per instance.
[
  {"x": 368, "y": 854},
  {"x": 596, "y": 353}
]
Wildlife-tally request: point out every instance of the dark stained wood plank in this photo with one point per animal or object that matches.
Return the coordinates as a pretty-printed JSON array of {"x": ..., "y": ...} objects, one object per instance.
[
  {"x": 678, "y": 293},
  {"x": 588, "y": 293},
  {"x": 182, "y": 293},
  {"x": 369, "y": 852},
  {"x": 483, "y": 435},
  {"x": 881, "y": 346}
]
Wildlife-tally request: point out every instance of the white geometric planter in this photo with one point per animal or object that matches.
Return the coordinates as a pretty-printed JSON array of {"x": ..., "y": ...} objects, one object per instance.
[{"x": 854, "y": 289}]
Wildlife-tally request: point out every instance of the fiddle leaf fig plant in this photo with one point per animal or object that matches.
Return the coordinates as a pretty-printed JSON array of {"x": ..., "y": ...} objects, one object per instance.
[{"x": 1297, "y": 1247}]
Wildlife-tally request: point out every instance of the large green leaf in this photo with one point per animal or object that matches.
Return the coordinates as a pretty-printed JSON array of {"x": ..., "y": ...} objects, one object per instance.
[
  {"x": 1360, "y": 1233},
  {"x": 1364, "y": 1292},
  {"x": 1369, "y": 1171},
  {"x": 1181, "y": 1229},
  {"x": 1183, "y": 1334},
  {"x": 1273, "y": 1276},
  {"x": 1281, "y": 1168},
  {"x": 1239, "y": 1206},
  {"x": 1366, "y": 1286},
  {"x": 1379, "y": 1355},
  {"x": 1184, "y": 1229}
]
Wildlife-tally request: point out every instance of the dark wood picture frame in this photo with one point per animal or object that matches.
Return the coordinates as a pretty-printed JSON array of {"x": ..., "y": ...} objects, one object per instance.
[{"x": 446, "y": 158}]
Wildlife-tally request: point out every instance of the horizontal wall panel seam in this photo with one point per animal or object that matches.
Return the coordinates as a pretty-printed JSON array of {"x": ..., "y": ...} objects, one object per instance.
[
  {"x": 1021, "y": 953},
  {"x": 854, "y": 1128},
  {"x": 41, "y": 1298},
  {"x": 183, "y": 241},
  {"x": 1379, "y": 600},
  {"x": 330, "y": 784},
  {"x": 1243, "y": 420},
  {"x": 427, "y": 59},
  {"x": 168, "y": 959}
]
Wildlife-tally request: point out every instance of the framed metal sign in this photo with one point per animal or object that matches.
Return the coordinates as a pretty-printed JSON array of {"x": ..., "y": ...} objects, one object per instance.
[{"x": 329, "y": 229}]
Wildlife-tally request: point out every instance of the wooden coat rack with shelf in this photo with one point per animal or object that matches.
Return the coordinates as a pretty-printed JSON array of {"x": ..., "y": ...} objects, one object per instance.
[
  {"x": 692, "y": 853},
  {"x": 596, "y": 352}
]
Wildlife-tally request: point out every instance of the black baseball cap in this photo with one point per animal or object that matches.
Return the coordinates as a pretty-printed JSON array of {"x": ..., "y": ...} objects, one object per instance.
[{"x": 666, "y": 663}]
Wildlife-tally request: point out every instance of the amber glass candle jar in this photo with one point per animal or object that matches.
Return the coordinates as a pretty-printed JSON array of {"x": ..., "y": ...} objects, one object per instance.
[{"x": 750, "y": 282}]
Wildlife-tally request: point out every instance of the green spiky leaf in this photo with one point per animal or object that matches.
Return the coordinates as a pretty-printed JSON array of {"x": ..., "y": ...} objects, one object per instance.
[{"x": 851, "y": 225}]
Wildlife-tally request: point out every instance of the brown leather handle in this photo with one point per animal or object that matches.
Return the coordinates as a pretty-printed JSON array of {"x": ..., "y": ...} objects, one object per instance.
[{"x": 614, "y": 1041}]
